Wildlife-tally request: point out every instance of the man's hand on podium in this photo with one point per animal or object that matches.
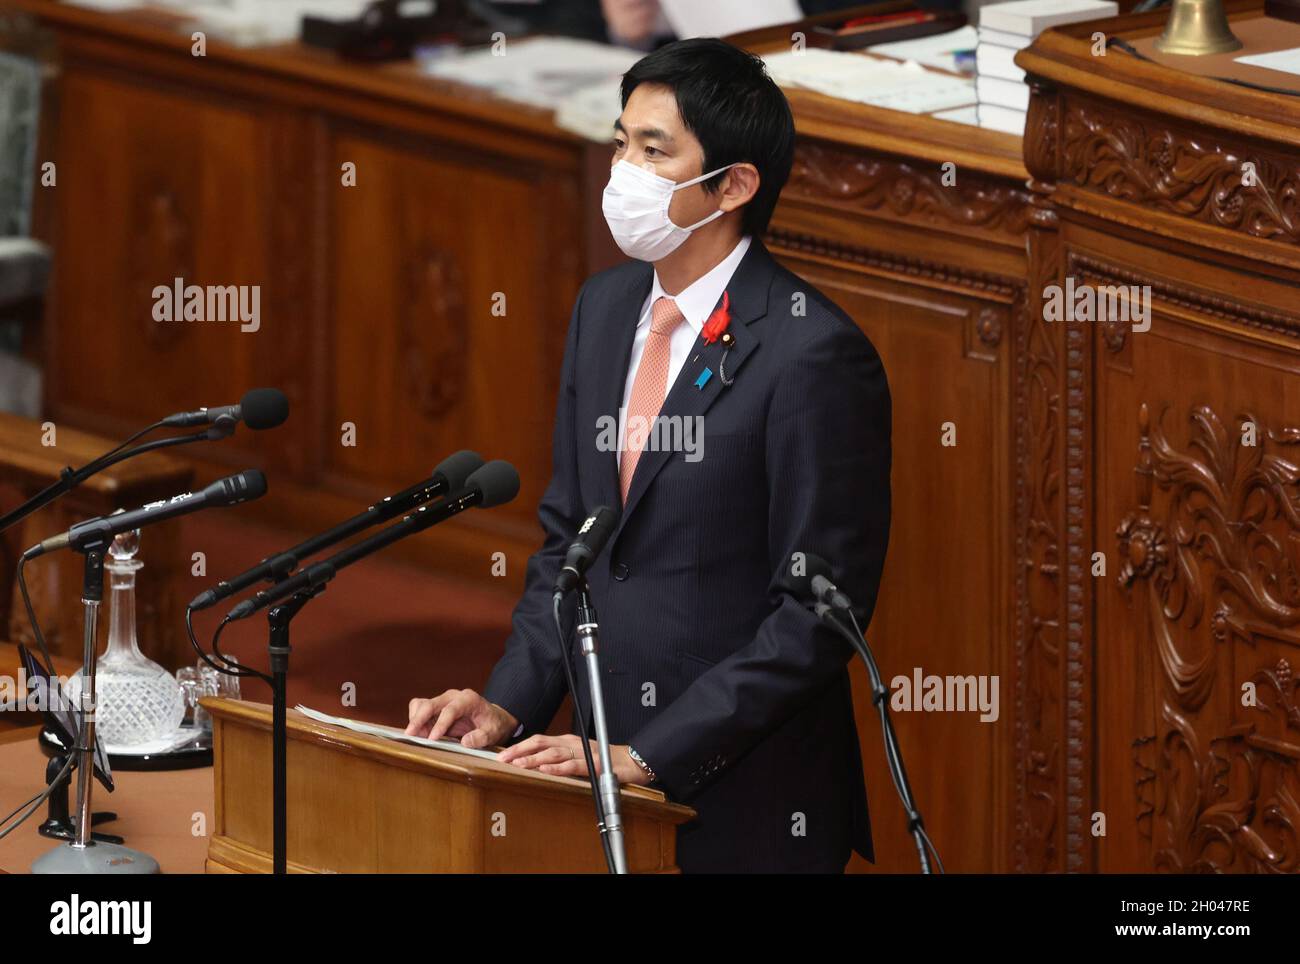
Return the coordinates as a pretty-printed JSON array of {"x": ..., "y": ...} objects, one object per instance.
[
  {"x": 461, "y": 715},
  {"x": 562, "y": 756}
]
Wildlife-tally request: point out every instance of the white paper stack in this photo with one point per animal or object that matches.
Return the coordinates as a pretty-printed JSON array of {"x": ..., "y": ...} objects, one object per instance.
[
  {"x": 906, "y": 86},
  {"x": 1005, "y": 28},
  {"x": 542, "y": 71},
  {"x": 247, "y": 23},
  {"x": 938, "y": 50}
]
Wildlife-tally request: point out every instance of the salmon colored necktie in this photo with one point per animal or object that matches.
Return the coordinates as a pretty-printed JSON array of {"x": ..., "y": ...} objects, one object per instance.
[{"x": 648, "y": 388}]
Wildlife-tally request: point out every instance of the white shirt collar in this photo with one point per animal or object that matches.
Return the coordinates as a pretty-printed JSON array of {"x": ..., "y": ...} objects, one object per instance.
[{"x": 699, "y": 298}]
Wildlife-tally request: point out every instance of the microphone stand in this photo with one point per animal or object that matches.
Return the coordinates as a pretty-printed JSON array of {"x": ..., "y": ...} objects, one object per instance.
[
  {"x": 84, "y": 854},
  {"x": 894, "y": 756},
  {"x": 278, "y": 618},
  {"x": 281, "y": 614},
  {"x": 70, "y": 478},
  {"x": 280, "y": 566},
  {"x": 588, "y": 631}
]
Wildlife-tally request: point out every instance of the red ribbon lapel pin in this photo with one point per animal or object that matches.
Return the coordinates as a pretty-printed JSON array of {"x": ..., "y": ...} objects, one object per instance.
[{"x": 716, "y": 329}]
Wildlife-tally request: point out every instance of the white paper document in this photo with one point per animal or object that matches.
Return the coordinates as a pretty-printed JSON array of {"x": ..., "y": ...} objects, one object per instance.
[
  {"x": 869, "y": 80},
  {"x": 591, "y": 111},
  {"x": 1283, "y": 61},
  {"x": 542, "y": 71},
  {"x": 938, "y": 50},
  {"x": 960, "y": 115},
  {"x": 392, "y": 733},
  {"x": 717, "y": 18}
]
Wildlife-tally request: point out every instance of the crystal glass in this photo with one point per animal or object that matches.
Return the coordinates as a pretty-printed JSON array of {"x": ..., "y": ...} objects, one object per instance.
[
  {"x": 191, "y": 692},
  {"x": 139, "y": 701},
  {"x": 219, "y": 684}
]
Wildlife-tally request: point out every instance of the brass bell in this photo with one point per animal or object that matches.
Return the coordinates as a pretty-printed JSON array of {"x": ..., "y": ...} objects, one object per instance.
[{"x": 1196, "y": 28}]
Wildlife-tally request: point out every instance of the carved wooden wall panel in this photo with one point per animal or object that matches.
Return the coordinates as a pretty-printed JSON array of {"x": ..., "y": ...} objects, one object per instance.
[
  {"x": 1132, "y": 678},
  {"x": 156, "y": 185},
  {"x": 1210, "y": 555},
  {"x": 226, "y": 170},
  {"x": 1147, "y": 160},
  {"x": 1052, "y": 646},
  {"x": 908, "y": 190},
  {"x": 1198, "y": 498},
  {"x": 470, "y": 337}
]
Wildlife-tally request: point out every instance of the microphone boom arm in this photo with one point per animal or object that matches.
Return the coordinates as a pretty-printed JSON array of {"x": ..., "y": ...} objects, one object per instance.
[{"x": 70, "y": 478}]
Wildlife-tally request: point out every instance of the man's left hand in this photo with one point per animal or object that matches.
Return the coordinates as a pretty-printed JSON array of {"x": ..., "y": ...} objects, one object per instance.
[{"x": 562, "y": 756}]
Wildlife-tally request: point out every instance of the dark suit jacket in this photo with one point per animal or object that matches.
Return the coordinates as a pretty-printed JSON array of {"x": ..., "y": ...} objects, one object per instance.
[{"x": 728, "y": 686}]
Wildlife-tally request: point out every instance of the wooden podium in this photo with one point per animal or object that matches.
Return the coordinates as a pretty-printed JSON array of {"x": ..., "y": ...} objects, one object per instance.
[{"x": 361, "y": 804}]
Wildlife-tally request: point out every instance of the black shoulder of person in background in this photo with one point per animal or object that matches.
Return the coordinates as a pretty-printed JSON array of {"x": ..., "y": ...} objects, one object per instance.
[{"x": 565, "y": 18}]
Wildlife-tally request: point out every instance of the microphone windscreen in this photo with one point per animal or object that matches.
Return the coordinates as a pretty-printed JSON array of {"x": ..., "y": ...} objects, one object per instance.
[
  {"x": 256, "y": 484},
  {"x": 497, "y": 480},
  {"x": 263, "y": 408},
  {"x": 456, "y": 469},
  {"x": 800, "y": 568}
]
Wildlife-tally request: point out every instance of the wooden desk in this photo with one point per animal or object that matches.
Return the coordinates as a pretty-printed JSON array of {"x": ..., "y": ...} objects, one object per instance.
[
  {"x": 167, "y": 815},
  {"x": 1170, "y": 450},
  {"x": 10, "y": 668},
  {"x": 361, "y": 804}
]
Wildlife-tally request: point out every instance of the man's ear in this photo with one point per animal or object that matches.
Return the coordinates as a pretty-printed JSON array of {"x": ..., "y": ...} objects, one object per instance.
[{"x": 739, "y": 186}]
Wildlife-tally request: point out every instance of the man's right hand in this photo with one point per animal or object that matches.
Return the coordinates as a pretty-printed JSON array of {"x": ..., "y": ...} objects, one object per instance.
[{"x": 463, "y": 715}]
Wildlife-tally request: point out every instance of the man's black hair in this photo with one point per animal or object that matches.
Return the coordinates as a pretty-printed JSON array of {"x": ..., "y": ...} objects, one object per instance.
[{"x": 735, "y": 110}]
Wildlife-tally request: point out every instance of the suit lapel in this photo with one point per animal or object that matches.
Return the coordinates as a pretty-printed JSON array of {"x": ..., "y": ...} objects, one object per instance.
[
  {"x": 614, "y": 354},
  {"x": 748, "y": 288}
]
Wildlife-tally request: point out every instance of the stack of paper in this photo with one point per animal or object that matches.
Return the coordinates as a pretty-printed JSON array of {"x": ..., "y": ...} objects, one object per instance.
[
  {"x": 1003, "y": 97},
  {"x": 590, "y": 111},
  {"x": 938, "y": 50},
  {"x": 543, "y": 71},
  {"x": 243, "y": 22},
  {"x": 717, "y": 18},
  {"x": 869, "y": 80}
]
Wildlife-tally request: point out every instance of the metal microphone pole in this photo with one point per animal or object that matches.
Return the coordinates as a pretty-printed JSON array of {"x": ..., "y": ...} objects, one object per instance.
[
  {"x": 279, "y": 617},
  {"x": 69, "y": 478},
  {"x": 589, "y": 640},
  {"x": 83, "y": 854},
  {"x": 893, "y": 755}
]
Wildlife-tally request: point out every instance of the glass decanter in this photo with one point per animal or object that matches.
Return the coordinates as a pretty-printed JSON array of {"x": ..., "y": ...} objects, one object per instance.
[{"x": 139, "y": 701}]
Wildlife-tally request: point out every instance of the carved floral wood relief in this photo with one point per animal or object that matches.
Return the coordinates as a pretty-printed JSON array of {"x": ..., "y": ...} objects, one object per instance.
[
  {"x": 905, "y": 189},
  {"x": 1132, "y": 158},
  {"x": 161, "y": 249},
  {"x": 434, "y": 336},
  {"x": 1212, "y": 554}
]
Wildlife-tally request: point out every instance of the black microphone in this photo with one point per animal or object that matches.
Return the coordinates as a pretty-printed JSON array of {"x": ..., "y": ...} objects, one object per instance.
[
  {"x": 450, "y": 476},
  {"x": 494, "y": 484},
  {"x": 809, "y": 575},
  {"x": 259, "y": 409},
  {"x": 592, "y": 536},
  {"x": 99, "y": 532}
]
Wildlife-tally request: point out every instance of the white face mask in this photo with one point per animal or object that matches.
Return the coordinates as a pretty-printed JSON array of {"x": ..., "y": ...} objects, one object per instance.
[{"x": 636, "y": 208}]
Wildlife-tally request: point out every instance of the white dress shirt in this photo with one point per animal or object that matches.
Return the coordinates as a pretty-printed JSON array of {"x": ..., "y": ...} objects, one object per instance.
[{"x": 696, "y": 302}]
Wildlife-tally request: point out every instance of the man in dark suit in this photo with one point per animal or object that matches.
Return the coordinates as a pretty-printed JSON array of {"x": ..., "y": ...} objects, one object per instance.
[{"x": 728, "y": 454}]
